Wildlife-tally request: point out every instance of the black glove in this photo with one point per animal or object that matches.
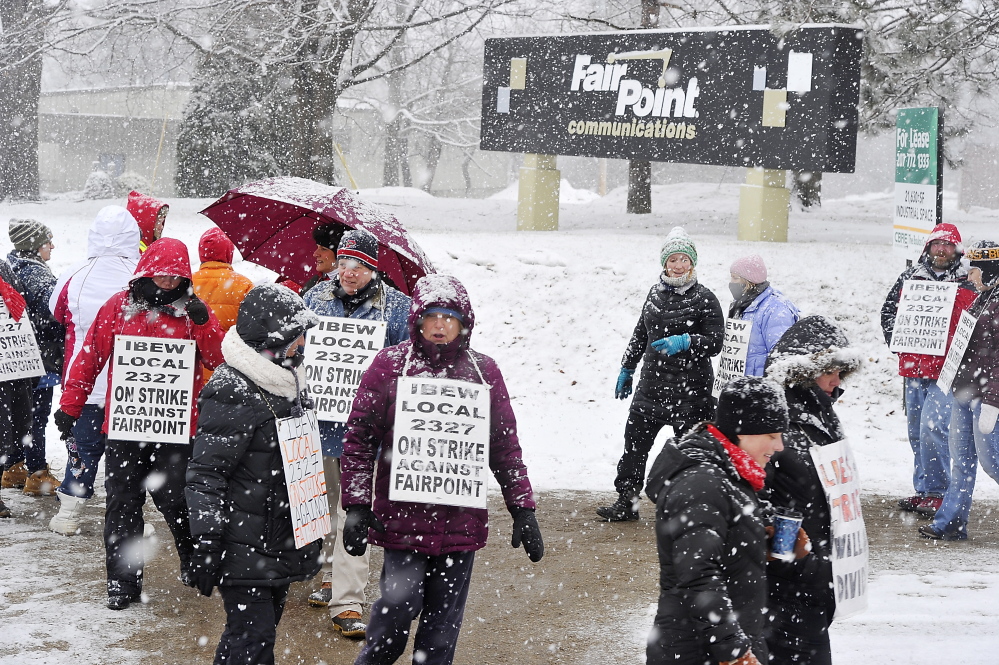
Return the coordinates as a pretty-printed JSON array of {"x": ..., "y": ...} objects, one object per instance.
[
  {"x": 204, "y": 566},
  {"x": 65, "y": 423},
  {"x": 355, "y": 529},
  {"x": 526, "y": 530},
  {"x": 197, "y": 310}
]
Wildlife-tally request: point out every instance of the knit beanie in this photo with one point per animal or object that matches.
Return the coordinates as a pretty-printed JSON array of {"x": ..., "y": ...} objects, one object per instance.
[
  {"x": 678, "y": 242},
  {"x": 360, "y": 246},
  {"x": 751, "y": 405},
  {"x": 984, "y": 255},
  {"x": 751, "y": 268},
  {"x": 28, "y": 234}
]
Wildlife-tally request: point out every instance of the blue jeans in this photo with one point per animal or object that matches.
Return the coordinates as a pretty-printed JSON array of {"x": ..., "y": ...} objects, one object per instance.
[
  {"x": 928, "y": 414},
  {"x": 80, "y": 476},
  {"x": 968, "y": 447},
  {"x": 34, "y": 450}
]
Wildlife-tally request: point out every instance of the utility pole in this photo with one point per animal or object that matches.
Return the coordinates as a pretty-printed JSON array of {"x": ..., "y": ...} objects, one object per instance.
[{"x": 640, "y": 171}]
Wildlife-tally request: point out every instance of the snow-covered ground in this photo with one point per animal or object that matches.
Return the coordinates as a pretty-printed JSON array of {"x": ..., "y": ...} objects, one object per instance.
[{"x": 556, "y": 310}]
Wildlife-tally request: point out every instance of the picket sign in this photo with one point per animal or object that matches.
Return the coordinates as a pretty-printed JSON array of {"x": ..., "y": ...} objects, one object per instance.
[
  {"x": 19, "y": 354},
  {"x": 339, "y": 350},
  {"x": 922, "y": 323},
  {"x": 958, "y": 347},
  {"x": 735, "y": 350},
  {"x": 302, "y": 457},
  {"x": 152, "y": 389},
  {"x": 440, "y": 447},
  {"x": 836, "y": 467}
]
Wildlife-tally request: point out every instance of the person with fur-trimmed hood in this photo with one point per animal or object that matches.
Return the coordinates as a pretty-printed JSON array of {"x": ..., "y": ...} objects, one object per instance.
[
  {"x": 158, "y": 303},
  {"x": 710, "y": 531},
  {"x": 927, "y": 408},
  {"x": 429, "y": 547},
  {"x": 680, "y": 329},
  {"x": 810, "y": 361},
  {"x": 237, "y": 492},
  {"x": 973, "y": 434}
]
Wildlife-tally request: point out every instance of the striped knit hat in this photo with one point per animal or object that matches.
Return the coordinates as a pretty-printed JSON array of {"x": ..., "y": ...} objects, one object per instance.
[
  {"x": 28, "y": 234},
  {"x": 678, "y": 242},
  {"x": 360, "y": 246}
]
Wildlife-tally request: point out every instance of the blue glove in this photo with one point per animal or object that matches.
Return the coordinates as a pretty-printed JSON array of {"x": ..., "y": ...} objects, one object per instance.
[
  {"x": 623, "y": 388},
  {"x": 672, "y": 345}
]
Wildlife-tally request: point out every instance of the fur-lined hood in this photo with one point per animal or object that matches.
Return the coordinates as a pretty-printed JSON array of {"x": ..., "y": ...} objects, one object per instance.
[{"x": 811, "y": 347}]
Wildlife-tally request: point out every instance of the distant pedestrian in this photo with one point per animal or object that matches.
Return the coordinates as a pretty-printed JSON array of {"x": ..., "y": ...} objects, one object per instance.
[
  {"x": 79, "y": 293},
  {"x": 356, "y": 291},
  {"x": 216, "y": 283},
  {"x": 680, "y": 329},
  {"x": 429, "y": 547},
  {"x": 768, "y": 310},
  {"x": 927, "y": 408},
  {"x": 237, "y": 491},
  {"x": 810, "y": 361},
  {"x": 33, "y": 247},
  {"x": 974, "y": 437},
  {"x": 710, "y": 531},
  {"x": 159, "y": 303},
  {"x": 150, "y": 213}
]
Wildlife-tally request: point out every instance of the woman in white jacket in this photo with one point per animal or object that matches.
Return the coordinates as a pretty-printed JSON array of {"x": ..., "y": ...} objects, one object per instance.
[{"x": 112, "y": 254}]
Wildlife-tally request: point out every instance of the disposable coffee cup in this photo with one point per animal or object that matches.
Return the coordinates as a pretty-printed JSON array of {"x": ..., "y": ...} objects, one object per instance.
[{"x": 786, "y": 525}]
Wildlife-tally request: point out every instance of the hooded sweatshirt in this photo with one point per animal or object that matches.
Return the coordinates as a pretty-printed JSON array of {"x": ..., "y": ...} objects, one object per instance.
[
  {"x": 123, "y": 315},
  {"x": 112, "y": 254},
  {"x": 221, "y": 287}
]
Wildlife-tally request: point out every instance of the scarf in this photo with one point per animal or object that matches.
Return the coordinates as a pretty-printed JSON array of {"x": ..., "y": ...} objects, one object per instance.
[
  {"x": 747, "y": 298},
  {"x": 272, "y": 378},
  {"x": 14, "y": 300},
  {"x": 745, "y": 465},
  {"x": 351, "y": 303}
]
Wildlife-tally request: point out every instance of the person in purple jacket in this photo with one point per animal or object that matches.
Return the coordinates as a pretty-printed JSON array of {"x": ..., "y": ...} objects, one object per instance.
[
  {"x": 769, "y": 310},
  {"x": 429, "y": 547}
]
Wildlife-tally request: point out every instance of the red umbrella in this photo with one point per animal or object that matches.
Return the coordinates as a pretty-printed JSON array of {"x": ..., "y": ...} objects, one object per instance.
[{"x": 271, "y": 223}]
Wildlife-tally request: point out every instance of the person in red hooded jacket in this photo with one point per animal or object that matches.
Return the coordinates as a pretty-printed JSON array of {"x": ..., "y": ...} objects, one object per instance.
[
  {"x": 927, "y": 408},
  {"x": 151, "y": 214},
  {"x": 216, "y": 283},
  {"x": 158, "y": 303}
]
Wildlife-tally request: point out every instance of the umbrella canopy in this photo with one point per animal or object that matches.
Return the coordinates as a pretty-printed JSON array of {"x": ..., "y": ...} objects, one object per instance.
[{"x": 271, "y": 223}]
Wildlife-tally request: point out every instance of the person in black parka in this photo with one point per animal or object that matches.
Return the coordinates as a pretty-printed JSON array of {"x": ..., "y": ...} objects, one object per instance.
[
  {"x": 236, "y": 489},
  {"x": 680, "y": 329},
  {"x": 810, "y": 360},
  {"x": 710, "y": 533}
]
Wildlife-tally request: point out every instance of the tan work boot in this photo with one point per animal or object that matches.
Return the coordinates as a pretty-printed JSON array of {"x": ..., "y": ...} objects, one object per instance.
[
  {"x": 41, "y": 483},
  {"x": 15, "y": 476},
  {"x": 349, "y": 624}
]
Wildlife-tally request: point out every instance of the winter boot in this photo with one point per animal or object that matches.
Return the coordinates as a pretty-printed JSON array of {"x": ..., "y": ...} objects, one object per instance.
[
  {"x": 41, "y": 483},
  {"x": 910, "y": 503},
  {"x": 349, "y": 624},
  {"x": 67, "y": 520},
  {"x": 4, "y": 510},
  {"x": 929, "y": 506},
  {"x": 625, "y": 509},
  {"x": 15, "y": 476},
  {"x": 120, "y": 601},
  {"x": 323, "y": 596}
]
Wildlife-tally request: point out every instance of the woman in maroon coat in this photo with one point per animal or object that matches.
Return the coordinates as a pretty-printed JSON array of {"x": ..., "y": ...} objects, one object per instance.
[{"x": 429, "y": 547}]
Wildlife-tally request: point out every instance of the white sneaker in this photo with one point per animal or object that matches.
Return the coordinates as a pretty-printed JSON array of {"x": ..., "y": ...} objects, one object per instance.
[{"x": 67, "y": 520}]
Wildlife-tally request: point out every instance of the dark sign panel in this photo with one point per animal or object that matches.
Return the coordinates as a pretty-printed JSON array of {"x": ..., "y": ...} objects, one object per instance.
[{"x": 735, "y": 96}]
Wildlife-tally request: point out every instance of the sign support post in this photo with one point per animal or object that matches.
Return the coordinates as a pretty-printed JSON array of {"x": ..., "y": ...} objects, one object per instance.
[
  {"x": 763, "y": 205},
  {"x": 537, "y": 197}
]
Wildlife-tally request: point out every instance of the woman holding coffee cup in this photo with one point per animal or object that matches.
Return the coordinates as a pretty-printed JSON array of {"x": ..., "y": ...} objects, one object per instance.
[
  {"x": 810, "y": 361},
  {"x": 710, "y": 531}
]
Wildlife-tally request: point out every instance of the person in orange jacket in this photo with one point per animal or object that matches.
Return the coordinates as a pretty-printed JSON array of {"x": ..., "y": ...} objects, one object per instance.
[
  {"x": 216, "y": 283},
  {"x": 151, "y": 214},
  {"x": 158, "y": 303}
]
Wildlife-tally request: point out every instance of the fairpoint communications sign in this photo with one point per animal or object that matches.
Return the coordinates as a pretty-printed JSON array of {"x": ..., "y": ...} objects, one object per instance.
[{"x": 733, "y": 96}]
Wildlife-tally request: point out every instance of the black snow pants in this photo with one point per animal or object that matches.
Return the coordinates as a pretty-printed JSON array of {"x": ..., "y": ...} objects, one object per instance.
[
  {"x": 639, "y": 436},
  {"x": 131, "y": 468}
]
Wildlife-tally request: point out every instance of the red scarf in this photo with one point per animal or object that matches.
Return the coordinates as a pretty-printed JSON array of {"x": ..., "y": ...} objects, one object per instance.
[
  {"x": 747, "y": 467},
  {"x": 13, "y": 300}
]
